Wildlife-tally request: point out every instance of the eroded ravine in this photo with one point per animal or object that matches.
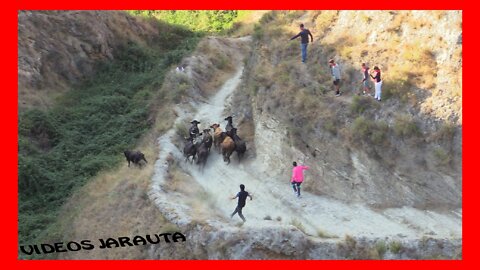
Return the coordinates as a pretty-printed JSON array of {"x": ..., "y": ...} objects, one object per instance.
[{"x": 274, "y": 206}]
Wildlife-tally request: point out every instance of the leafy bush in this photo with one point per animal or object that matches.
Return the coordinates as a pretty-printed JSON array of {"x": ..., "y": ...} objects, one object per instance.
[
  {"x": 330, "y": 125},
  {"x": 89, "y": 128},
  {"x": 445, "y": 133},
  {"x": 207, "y": 21},
  {"x": 381, "y": 248},
  {"x": 257, "y": 32},
  {"x": 296, "y": 223},
  {"x": 405, "y": 127},
  {"x": 396, "y": 247},
  {"x": 369, "y": 131},
  {"x": 399, "y": 89},
  {"x": 267, "y": 17},
  {"x": 443, "y": 157},
  {"x": 361, "y": 104}
]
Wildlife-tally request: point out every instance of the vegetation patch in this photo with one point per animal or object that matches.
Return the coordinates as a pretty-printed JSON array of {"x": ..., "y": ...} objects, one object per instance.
[
  {"x": 89, "y": 127},
  {"x": 405, "y": 127}
]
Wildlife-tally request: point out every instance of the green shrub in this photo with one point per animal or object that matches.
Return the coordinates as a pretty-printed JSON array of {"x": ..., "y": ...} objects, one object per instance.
[
  {"x": 398, "y": 89},
  {"x": 207, "y": 21},
  {"x": 220, "y": 61},
  {"x": 324, "y": 234},
  {"x": 296, "y": 223},
  {"x": 443, "y": 157},
  {"x": 89, "y": 128},
  {"x": 406, "y": 127},
  {"x": 379, "y": 133},
  {"x": 181, "y": 129},
  {"x": 257, "y": 32},
  {"x": 361, "y": 104},
  {"x": 381, "y": 248},
  {"x": 446, "y": 133},
  {"x": 267, "y": 17},
  {"x": 369, "y": 131},
  {"x": 396, "y": 247},
  {"x": 330, "y": 125},
  {"x": 361, "y": 127}
]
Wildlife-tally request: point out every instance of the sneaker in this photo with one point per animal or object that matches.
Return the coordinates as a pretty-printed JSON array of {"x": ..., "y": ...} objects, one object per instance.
[{"x": 339, "y": 94}]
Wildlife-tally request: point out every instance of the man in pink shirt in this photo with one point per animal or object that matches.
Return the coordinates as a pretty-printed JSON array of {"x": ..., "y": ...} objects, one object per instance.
[{"x": 297, "y": 177}]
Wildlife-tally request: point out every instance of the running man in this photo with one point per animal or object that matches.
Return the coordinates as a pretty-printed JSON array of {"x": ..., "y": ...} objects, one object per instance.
[
  {"x": 378, "y": 82},
  {"x": 242, "y": 198},
  {"x": 297, "y": 177},
  {"x": 304, "y": 33},
  {"x": 336, "y": 76},
  {"x": 366, "y": 79}
]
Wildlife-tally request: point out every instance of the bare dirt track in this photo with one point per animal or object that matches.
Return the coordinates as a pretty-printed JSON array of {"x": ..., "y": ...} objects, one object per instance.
[{"x": 204, "y": 197}]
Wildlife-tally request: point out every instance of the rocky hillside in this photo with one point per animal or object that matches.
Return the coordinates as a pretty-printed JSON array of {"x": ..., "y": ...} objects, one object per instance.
[
  {"x": 385, "y": 178},
  {"x": 58, "y": 49},
  {"x": 405, "y": 150}
]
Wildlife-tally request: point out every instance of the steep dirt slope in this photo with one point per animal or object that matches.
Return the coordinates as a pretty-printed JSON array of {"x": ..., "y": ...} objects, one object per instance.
[
  {"x": 278, "y": 224},
  {"x": 405, "y": 150},
  {"x": 53, "y": 58}
]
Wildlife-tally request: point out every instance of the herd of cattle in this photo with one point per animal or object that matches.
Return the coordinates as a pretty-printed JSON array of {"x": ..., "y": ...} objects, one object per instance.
[{"x": 198, "y": 145}]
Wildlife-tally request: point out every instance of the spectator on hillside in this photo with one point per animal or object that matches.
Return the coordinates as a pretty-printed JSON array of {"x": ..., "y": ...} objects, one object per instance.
[
  {"x": 366, "y": 79},
  {"x": 304, "y": 33},
  {"x": 335, "y": 69},
  {"x": 378, "y": 82}
]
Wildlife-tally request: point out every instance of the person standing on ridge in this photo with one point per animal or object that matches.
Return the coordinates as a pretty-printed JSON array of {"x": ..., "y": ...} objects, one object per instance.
[
  {"x": 304, "y": 33},
  {"x": 378, "y": 83},
  {"x": 297, "y": 177},
  {"x": 335, "y": 69},
  {"x": 242, "y": 198},
  {"x": 366, "y": 79}
]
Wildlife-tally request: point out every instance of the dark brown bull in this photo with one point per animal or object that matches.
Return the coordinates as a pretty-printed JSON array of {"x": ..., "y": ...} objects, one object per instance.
[
  {"x": 189, "y": 149},
  {"x": 202, "y": 154},
  {"x": 207, "y": 139},
  {"x": 240, "y": 145},
  {"x": 135, "y": 157}
]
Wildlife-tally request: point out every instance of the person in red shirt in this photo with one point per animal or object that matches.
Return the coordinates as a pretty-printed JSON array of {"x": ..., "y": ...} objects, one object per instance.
[{"x": 297, "y": 177}]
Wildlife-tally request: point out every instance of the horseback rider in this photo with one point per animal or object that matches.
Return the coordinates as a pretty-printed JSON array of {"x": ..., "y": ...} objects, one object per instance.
[{"x": 194, "y": 131}]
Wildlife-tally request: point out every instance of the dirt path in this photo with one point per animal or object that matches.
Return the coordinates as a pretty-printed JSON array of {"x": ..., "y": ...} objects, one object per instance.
[{"x": 274, "y": 204}]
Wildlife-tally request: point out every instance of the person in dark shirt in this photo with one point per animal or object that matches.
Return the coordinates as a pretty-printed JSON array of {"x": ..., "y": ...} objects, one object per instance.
[
  {"x": 194, "y": 131},
  {"x": 378, "y": 82},
  {"x": 242, "y": 197},
  {"x": 304, "y": 33}
]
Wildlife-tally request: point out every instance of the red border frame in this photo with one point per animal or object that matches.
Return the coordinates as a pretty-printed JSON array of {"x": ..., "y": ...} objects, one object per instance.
[{"x": 9, "y": 246}]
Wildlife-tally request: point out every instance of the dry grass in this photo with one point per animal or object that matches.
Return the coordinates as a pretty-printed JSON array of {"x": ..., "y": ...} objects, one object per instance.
[
  {"x": 296, "y": 223},
  {"x": 405, "y": 126},
  {"x": 244, "y": 25},
  {"x": 443, "y": 157},
  {"x": 324, "y": 20},
  {"x": 323, "y": 234},
  {"x": 115, "y": 203}
]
